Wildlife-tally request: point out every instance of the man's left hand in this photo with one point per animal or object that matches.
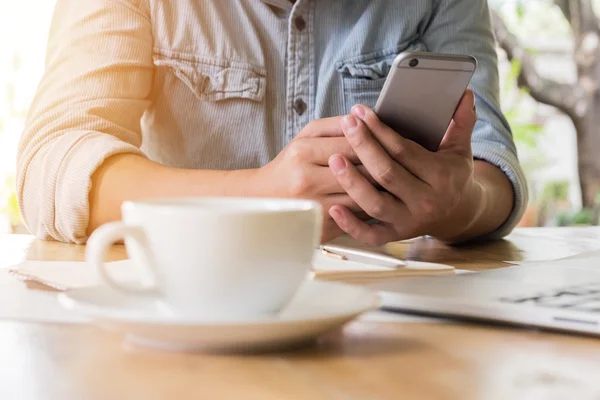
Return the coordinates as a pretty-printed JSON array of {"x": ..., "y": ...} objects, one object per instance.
[{"x": 433, "y": 193}]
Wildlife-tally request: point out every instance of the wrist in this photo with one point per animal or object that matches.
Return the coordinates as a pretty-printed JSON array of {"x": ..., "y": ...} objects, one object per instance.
[
  {"x": 487, "y": 203},
  {"x": 242, "y": 183},
  {"x": 464, "y": 216},
  {"x": 206, "y": 183}
]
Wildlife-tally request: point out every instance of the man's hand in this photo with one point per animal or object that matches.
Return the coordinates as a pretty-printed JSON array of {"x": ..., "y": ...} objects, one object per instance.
[
  {"x": 440, "y": 194},
  {"x": 301, "y": 171}
]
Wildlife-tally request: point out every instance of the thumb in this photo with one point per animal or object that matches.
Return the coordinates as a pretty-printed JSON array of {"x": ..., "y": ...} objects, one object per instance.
[{"x": 458, "y": 135}]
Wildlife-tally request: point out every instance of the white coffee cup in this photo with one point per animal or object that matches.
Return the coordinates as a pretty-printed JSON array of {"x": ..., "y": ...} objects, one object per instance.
[{"x": 216, "y": 258}]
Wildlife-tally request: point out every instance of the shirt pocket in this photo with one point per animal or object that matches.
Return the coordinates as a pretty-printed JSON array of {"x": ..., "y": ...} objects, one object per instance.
[
  {"x": 200, "y": 104},
  {"x": 216, "y": 79},
  {"x": 363, "y": 76}
]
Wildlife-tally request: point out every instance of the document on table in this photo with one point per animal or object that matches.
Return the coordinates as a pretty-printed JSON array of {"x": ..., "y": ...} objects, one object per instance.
[
  {"x": 19, "y": 303},
  {"x": 586, "y": 259},
  {"x": 28, "y": 290}
]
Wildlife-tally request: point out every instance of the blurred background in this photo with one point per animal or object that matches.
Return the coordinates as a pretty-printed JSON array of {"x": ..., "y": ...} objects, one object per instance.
[{"x": 550, "y": 72}]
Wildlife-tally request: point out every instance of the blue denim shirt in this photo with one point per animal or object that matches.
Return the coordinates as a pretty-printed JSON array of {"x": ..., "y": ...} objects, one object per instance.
[{"x": 227, "y": 84}]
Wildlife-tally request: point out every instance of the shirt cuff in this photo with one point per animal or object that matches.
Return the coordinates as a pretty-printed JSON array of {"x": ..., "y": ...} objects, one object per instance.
[
  {"x": 507, "y": 161},
  {"x": 73, "y": 182}
]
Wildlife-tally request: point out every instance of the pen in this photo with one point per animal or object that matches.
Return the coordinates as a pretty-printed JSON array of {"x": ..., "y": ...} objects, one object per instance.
[{"x": 364, "y": 256}]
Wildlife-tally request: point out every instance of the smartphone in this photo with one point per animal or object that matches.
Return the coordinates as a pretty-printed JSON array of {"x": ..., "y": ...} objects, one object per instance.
[{"x": 421, "y": 94}]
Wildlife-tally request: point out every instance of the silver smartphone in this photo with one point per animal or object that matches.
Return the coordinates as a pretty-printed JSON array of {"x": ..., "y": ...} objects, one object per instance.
[{"x": 421, "y": 94}]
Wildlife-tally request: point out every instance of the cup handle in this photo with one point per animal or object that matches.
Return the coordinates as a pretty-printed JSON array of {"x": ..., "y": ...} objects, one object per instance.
[{"x": 100, "y": 243}]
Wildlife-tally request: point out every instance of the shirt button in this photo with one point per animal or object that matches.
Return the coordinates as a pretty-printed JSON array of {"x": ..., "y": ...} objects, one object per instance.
[
  {"x": 300, "y": 23},
  {"x": 300, "y": 106}
]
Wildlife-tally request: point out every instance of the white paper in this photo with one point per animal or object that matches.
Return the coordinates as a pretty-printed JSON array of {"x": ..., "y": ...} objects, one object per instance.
[
  {"x": 322, "y": 262},
  {"x": 72, "y": 275},
  {"x": 588, "y": 259},
  {"x": 19, "y": 303},
  {"x": 588, "y": 255}
]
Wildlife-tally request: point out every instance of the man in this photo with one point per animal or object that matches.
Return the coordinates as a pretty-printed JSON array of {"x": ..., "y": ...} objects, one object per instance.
[{"x": 150, "y": 98}]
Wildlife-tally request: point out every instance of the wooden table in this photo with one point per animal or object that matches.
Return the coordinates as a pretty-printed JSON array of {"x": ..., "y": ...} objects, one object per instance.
[{"x": 364, "y": 360}]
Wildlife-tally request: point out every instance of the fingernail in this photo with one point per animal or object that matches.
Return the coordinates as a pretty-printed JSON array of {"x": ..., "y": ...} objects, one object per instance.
[
  {"x": 359, "y": 111},
  {"x": 337, "y": 164},
  {"x": 349, "y": 123},
  {"x": 335, "y": 213}
]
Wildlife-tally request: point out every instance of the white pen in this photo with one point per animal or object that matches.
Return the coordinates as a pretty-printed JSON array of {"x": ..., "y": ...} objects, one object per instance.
[{"x": 364, "y": 256}]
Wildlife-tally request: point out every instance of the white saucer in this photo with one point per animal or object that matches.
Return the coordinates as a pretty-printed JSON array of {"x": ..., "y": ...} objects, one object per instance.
[{"x": 317, "y": 308}]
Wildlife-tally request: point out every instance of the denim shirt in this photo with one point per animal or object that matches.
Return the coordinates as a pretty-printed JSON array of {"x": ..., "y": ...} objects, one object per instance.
[{"x": 227, "y": 85}]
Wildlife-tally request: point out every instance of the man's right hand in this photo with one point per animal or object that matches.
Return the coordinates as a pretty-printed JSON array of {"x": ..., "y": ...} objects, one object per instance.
[{"x": 301, "y": 170}]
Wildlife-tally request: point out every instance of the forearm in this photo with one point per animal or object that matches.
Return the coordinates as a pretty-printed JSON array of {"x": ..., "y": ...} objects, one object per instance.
[
  {"x": 132, "y": 177},
  {"x": 486, "y": 206}
]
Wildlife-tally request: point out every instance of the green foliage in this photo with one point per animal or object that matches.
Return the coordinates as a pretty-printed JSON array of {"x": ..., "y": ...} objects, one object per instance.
[
  {"x": 583, "y": 217},
  {"x": 528, "y": 18},
  {"x": 13, "y": 114},
  {"x": 564, "y": 218},
  {"x": 8, "y": 201},
  {"x": 597, "y": 198},
  {"x": 527, "y": 134},
  {"x": 512, "y": 76},
  {"x": 527, "y": 131},
  {"x": 539, "y": 21},
  {"x": 520, "y": 9},
  {"x": 556, "y": 191}
]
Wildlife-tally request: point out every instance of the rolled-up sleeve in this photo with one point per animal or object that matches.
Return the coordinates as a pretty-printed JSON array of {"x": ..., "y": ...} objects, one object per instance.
[
  {"x": 87, "y": 108},
  {"x": 464, "y": 26}
]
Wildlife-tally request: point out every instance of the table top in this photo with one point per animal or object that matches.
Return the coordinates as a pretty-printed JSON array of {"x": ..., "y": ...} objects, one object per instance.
[{"x": 363, "y": 360}]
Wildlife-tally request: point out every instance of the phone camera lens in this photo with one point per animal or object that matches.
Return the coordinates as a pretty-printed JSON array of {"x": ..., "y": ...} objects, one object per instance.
[{"x": 413, "y": 63}]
